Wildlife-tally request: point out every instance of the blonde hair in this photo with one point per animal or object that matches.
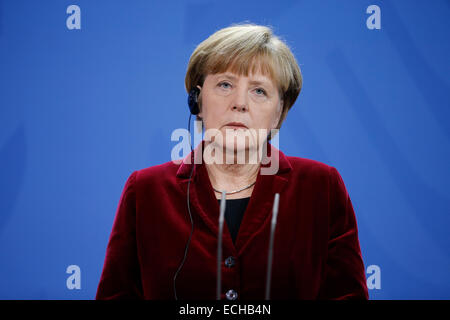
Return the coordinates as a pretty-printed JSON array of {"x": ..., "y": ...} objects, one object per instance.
[{"x": 241, "y": 48}]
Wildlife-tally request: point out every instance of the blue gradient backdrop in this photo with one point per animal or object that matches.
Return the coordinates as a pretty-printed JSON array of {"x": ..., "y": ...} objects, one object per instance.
[{"x": 81, "y": 109}]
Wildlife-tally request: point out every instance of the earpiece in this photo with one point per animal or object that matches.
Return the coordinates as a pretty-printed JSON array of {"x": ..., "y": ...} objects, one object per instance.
[{"x": 193, "y": 101}]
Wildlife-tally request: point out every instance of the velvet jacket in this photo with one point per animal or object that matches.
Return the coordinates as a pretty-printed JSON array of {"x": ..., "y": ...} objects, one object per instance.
[{"x": 316, "y": 252}]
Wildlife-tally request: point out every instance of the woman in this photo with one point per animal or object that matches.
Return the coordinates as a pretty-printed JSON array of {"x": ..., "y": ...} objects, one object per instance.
[{"x": 243, "y": 78}]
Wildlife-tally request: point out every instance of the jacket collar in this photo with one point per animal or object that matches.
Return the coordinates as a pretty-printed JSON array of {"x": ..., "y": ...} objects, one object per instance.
[{"x": 259, "y": 209}]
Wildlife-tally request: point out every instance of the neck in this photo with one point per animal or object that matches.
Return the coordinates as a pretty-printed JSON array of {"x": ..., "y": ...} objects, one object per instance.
[{"x": 229, "y": 177}]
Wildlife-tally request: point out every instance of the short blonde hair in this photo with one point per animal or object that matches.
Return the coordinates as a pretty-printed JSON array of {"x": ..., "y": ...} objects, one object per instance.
[{"x": 241, "y": 48}]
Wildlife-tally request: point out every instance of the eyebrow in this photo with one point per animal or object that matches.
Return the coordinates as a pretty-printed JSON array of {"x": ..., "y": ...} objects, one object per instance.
[{"x": 232, "y": 77}]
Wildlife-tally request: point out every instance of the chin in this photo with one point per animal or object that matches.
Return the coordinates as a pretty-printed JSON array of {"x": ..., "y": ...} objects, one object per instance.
[{"x": 241, "y": 147}]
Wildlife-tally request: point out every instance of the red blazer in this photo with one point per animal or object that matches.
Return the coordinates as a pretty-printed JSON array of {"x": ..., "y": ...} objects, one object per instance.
[{"x": 316, "y": 248}]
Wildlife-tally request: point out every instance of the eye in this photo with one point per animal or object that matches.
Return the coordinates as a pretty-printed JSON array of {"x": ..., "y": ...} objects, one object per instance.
[
  {"x": 261, "y": 91},
  {"x": 224, "y": 83}
]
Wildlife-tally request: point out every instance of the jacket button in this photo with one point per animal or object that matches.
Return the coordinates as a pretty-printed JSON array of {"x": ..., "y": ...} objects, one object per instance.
[
  {"x": 230, "y": 262},
  {"x": 231, "y": 294}
]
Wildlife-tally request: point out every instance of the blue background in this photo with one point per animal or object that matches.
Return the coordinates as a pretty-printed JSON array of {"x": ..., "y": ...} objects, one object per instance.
[{"x": 81, "y": 109}]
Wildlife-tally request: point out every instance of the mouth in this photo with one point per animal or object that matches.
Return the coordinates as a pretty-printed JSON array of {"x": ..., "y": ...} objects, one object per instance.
[{"x": 236, "y": 125}]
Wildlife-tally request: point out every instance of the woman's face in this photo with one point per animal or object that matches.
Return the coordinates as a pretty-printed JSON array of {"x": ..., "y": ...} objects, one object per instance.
[{"x": 253, "y": 101}]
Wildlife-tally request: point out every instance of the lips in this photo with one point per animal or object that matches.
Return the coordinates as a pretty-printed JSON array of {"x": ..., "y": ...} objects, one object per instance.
[{"x": 236, "y": 125}]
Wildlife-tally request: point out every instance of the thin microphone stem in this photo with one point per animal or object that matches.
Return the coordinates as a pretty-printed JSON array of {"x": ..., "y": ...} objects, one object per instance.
[
  {"x": 219, "y": 246},
  {"x": 272, "y": 235}
]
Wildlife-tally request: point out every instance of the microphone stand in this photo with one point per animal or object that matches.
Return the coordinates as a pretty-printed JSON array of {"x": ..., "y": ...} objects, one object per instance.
[
  {"x": 272, "y": 235},
  {"x": 219, "y": 246}
]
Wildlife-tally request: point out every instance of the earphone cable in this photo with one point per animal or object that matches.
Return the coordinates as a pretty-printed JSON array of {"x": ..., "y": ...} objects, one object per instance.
[{"x": 190, "y": 215}]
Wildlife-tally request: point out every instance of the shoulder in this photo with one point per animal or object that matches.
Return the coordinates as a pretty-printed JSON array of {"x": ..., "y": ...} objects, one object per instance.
[
  {"x": 315, "y": 173},
  {"x": 318, "y": 175},
  {"x": 157, "y": 174}
]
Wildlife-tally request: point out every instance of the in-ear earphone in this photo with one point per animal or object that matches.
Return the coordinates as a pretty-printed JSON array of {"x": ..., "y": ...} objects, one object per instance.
[{"x": 193, "y": 101}]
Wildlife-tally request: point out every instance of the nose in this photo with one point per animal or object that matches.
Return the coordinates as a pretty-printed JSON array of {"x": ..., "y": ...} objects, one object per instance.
[
  {"x": 240, "y": 102},
  {"x": 239, "y": 107}
]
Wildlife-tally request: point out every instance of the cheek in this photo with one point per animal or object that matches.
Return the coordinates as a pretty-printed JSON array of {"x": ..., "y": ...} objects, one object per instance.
[
  {"x": 266, "y": 119},
  {"x": 210, "y": 114},
  {"x": 260, "y": 121},
  {"x": 212, "y": 107}
]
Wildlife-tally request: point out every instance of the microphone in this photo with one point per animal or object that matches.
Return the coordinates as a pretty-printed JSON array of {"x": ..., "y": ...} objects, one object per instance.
[
  {"x": 272, "y": 235},
  {"x": 219, "y": 246}
]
